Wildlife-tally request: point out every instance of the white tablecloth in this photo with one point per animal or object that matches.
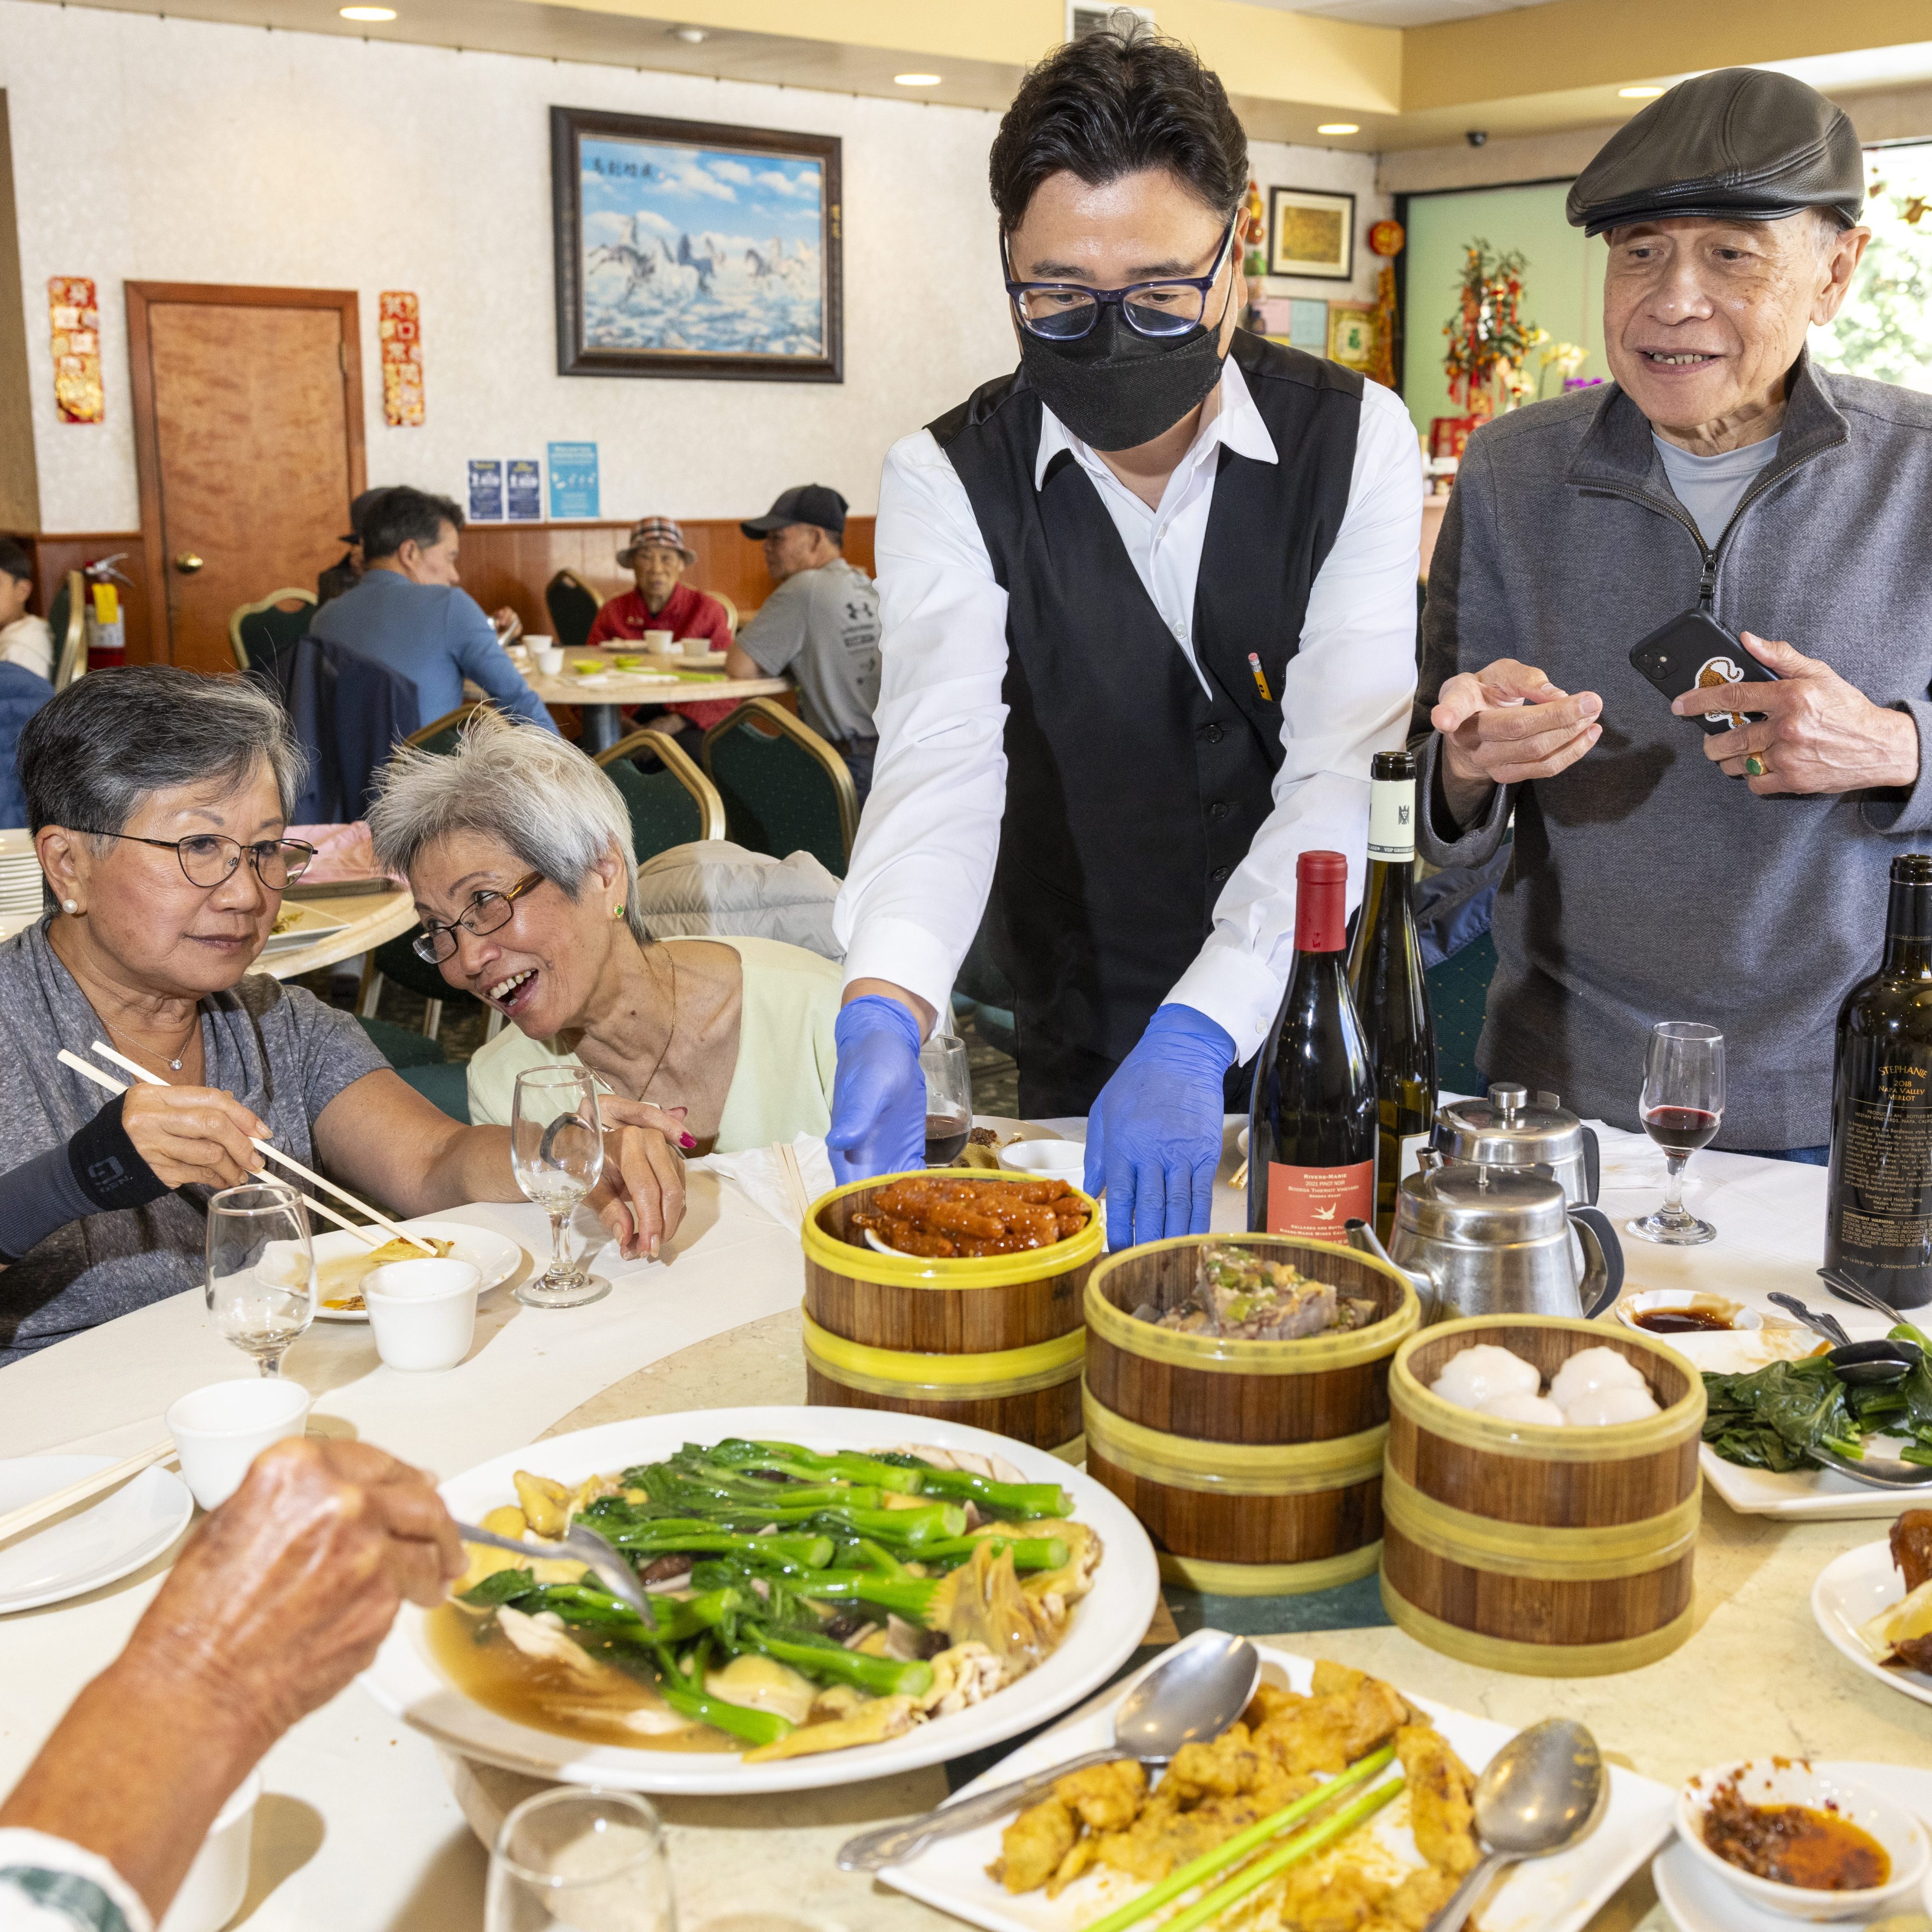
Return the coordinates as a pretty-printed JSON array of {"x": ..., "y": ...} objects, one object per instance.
[{"x": 359, "y": 1830}]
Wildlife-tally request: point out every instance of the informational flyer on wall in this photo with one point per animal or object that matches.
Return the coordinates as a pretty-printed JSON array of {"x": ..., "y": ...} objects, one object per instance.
[
  {"x": 525, "y": 490},
  {"x": 486, "y": 489},
  {"x": 573, "y": 481}
]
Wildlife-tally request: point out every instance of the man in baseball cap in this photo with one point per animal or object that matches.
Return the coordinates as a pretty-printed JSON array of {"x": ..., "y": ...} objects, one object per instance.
[
  {"x": 1725, "y": 508},
  {"x": 820, "y": 624}
]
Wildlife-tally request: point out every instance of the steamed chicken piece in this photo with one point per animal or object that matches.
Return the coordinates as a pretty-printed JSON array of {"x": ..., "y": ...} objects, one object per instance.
[
  {"x": 544, "y": 1636},
  {"x": 966, "y": 1674},
  {"x": 1440, "y": 1813}
]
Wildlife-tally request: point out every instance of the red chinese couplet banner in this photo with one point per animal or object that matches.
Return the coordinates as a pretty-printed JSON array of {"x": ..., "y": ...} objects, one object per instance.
[
  {"x": 76, "y": 321},
  {"x": 399, "y": 330}
]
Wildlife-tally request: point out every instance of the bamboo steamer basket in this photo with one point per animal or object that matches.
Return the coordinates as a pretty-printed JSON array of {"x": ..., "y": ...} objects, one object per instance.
[
  {"x": 995, "y": 1341},
  {"x": 1256, "y": 1467},
  {"x": 1522, "y": 1547}
]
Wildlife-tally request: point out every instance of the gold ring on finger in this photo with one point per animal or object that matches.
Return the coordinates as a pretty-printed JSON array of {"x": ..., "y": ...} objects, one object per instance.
[{"x": 1755, "y": 767}]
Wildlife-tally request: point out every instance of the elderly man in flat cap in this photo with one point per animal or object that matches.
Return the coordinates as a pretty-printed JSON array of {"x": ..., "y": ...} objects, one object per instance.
[{"x": 1659, "y": 872}]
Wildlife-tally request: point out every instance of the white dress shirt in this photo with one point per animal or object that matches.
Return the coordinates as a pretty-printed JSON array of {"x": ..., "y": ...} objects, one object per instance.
[{"x": 922, "y": 865}]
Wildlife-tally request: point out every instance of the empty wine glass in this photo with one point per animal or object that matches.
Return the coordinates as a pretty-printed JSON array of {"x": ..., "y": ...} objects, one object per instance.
[
  {"x": 580, "y": 1860},
  {"x": 949, "y": 1097},
  {"x": 1681, "y": 1106},
  {"x": 261, "y": 1270},
  {"x": 557, "y": 1152}
]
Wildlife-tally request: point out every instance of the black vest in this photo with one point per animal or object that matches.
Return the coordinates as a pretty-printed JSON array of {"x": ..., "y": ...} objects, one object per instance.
[{"x": 1131, "y": 794}]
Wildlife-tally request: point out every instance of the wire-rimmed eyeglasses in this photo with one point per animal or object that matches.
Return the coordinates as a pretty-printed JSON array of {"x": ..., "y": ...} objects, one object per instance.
[
  {"x": 210, "y": 858},
  {"x": 1065, "y": 311},
  {"x": 488, "y": 912}
]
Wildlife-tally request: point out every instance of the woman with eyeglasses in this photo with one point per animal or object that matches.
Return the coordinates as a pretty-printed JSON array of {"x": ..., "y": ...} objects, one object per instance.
[
  {"x": 158, "y": 799},
  {"x": 520, "y": 852},
  {"x": 1149, "y": 608}
]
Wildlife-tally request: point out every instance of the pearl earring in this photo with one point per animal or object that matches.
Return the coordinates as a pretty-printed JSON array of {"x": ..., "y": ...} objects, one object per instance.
[{"x": 70, "y": 905}]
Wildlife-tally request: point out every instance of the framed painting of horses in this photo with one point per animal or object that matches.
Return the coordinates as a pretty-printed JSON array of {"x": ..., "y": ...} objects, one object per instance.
[{"x": 690, "y": 248}]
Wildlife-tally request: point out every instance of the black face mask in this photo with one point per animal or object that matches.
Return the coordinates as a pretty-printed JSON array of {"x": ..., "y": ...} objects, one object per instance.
[{"x": 1115, "y": 389}]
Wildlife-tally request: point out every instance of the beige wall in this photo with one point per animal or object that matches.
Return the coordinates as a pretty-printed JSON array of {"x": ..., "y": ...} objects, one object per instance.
[{"x": 219, "y": 154}]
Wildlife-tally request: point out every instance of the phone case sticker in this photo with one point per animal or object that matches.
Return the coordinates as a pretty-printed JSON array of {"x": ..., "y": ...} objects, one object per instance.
[
  {"x": 1712, "y": 673},
  {"x": 1317, "y": 1203}
]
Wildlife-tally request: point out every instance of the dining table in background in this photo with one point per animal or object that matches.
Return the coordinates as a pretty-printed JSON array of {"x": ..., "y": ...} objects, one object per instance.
[
  {"x": 363, "y": 1824},
  {"x": 598, "y": 703}
]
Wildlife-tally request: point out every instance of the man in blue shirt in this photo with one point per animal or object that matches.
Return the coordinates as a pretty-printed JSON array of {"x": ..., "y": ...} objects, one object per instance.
[{"x": 410, "y": 612}]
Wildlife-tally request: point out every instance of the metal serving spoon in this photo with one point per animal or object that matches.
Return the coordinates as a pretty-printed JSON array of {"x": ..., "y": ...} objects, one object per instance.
[
  {"x": 1877, "y": 1472},
  {"x": 1195, "y": 1694},
  {"x": 579, "y": 1542},
  {"x": 1872, "y": 1364},
  {"x": 1541, "y": 1793}
]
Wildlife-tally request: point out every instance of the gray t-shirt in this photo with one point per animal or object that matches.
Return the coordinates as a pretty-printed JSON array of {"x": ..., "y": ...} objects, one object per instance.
[
  {"x": 823, "y": 626},
  {"x": 1711, "y": 488},
  {"x": 278, "y": 1049}
]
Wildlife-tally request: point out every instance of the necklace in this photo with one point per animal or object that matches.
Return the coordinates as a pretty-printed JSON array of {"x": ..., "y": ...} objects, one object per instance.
[
  {"x": 670, "y": 961},
  {"x": 181, "y": 1053}
]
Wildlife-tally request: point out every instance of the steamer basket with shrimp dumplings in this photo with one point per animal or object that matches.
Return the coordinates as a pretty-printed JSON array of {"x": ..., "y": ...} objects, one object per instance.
[{"x": 993, "y": 1341}]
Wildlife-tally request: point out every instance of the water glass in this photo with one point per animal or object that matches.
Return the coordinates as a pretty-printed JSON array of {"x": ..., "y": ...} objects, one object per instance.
[
  {"x": 580, "y": 1860},
  {"x": 1682, "y": 1107},
  {"x": 557, "y": 1152},
  {"x": 261, "y": 1270},
  {"x": 949, "y": 1097}
]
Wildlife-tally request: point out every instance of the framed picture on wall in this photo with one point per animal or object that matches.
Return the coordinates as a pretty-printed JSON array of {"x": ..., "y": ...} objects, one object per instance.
[
  {"x": 1352, "y": 334},
  {"x": 1311, "y": 234},
  {"x": 689, "y": 248}
]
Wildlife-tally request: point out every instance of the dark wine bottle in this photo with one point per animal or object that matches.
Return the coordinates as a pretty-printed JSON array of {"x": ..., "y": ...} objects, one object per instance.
[
  {"x": 1385, "y": 977},
  {"x": 1878, "y": 1204},
  {"x": 1312, "y": 1118}
]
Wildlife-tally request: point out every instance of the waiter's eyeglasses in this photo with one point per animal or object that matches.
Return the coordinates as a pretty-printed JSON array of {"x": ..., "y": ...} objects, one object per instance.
[{"x": 1064, "y": 311}]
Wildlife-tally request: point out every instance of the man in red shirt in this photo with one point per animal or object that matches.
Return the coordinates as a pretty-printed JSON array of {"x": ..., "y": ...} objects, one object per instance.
[{"x": 658, "y": 556}]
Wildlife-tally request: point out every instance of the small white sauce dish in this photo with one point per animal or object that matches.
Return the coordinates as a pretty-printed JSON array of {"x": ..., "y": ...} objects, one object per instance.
[
  {"x": 423, "y": 1313},
  {"x": 1794, "y": 1781},
  {"x": 1694, "y": 1300},
  {"x": 219, "y": 1430},
  {"x": 1049, "y": 1160}
]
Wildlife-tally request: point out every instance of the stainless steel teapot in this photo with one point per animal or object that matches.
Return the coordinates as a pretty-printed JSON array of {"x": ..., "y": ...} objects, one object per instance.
[
  {"x": 1482, "y": 1239},
  {"x": 1515, "y": 1128}
]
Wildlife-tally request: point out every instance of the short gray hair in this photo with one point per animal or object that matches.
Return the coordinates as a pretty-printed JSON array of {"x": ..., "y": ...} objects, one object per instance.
[
  {"x": 93, "y": 752},
  {"x": 541, "y": 797}
]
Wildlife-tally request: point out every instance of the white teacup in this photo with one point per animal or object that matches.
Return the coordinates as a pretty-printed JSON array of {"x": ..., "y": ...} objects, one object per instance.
[
  {"x": 217, "y": 1881},
  {"x": 548, "y": 657},
  {"x": 423, "y": 1313},
  {"x": 1050, "y": 1160},
  {"x": 658, "y": 641},
  {"x": 219, "y": 1430}
]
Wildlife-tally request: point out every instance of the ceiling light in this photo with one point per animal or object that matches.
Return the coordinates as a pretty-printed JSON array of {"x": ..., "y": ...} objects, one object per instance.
[
  {"x": 1339, "y": 128},
  {"x": 915, "y": 80},
  {"x": 368, "y": 13},
  {"x": 1638, "y": 93},
  {"x": 691, "y": 37}
]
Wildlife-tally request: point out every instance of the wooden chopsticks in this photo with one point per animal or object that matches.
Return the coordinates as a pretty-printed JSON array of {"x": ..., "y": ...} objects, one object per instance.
[
  {"x": 30, "y": 1515},
  {"x": 792, "y": 1175}
]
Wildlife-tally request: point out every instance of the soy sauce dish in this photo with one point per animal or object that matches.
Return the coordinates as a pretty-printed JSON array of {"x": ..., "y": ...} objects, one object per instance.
[{"x": 1800, "y": 1841}]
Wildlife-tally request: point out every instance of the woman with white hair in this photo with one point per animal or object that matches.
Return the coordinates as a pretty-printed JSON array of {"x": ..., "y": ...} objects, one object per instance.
[{"x": 519, "y": 852}]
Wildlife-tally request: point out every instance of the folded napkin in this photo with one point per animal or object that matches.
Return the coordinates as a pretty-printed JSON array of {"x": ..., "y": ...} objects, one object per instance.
[{"x": 761, "y": 1177}]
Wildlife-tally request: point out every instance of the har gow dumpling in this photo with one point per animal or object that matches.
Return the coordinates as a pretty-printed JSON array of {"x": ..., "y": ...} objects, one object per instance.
[
  {"x": 1590, "y": 1370},
  {"x": 1599, "y": 1409},
  {"x": 1478, "y": 1374},
  {"x": 1516, "y": 1406}
]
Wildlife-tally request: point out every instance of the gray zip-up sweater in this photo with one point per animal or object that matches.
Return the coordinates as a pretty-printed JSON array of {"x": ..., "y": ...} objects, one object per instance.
[{"x": 1646, "y": 885}]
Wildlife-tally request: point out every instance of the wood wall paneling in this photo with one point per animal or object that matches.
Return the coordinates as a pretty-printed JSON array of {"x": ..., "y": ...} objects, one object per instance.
[{"x": 19, "y": 483}]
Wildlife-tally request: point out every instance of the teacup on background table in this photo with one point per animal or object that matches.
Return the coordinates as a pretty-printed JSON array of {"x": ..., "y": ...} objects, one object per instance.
[
  {"x": 661, "y": 641},
  {"x": 220, "y": 1429},
  {"x": 548, "y": 657}
]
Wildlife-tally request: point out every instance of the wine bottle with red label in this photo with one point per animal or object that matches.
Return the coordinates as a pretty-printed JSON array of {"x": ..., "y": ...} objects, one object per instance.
[{"x": 1313, "y": 1119}]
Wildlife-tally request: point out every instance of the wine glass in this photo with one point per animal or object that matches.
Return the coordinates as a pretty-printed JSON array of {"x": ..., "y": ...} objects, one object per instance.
[
  {"x": 1681, "y": 1105},
  {"x": 261, "y": 1269},
  {"x": 557, "y": 1152},
  {"x": 580, "y": 1860},
  {"x": 949, "y": 1097}
]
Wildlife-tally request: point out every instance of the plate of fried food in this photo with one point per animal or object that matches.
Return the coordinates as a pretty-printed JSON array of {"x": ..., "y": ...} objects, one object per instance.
[
  {"x": 1376, "y": 1787},
  {"x": 835, "y": 1594},
  {"x": 343, "y": 1261},
  {"x": 1875, "y": 1605}
]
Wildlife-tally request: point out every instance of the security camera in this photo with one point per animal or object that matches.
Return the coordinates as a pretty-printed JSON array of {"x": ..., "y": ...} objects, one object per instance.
[{"x": 1476, "y": 136}]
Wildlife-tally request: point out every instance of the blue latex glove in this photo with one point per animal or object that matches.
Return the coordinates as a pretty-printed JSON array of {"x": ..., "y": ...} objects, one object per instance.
[
  {"x": 878, "y": 1095},
  {"x": 1153, "y": 1139}
]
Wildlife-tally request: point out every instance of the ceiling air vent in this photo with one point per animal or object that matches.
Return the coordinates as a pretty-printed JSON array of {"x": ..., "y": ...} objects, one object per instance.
[{"x": 1093, "y": 17}]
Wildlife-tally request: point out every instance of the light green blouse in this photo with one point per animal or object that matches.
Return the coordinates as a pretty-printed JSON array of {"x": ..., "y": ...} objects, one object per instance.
[{"x": 781, "y": 1086}]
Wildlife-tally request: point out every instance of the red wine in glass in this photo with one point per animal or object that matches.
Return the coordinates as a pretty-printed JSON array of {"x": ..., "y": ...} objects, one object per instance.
[
  {"x": 1680, "y": 1130},
  {"x": 946, "y": 1137}
]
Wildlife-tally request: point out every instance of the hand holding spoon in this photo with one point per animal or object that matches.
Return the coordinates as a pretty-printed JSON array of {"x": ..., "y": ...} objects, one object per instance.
[{"x": 1541, "y": 1793}]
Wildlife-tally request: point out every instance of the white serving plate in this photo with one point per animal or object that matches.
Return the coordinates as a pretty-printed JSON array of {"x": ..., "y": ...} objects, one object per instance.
[
  {"x": 1850, "y": 1591},
  {"x": 1009, "y": 1128},
  {"x": 1107, "y": 1625},
  {"x": 496, "y": 1257},
  {"x": 1700, "y": 1901},
  {"x": 1558, "y": 1894},
  {"x": 309, "y": 928},
  {"x": 102, "y": 1542}
]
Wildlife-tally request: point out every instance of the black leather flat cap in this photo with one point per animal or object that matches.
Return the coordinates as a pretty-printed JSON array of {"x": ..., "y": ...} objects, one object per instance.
[{"x": 1742, "y": 143}]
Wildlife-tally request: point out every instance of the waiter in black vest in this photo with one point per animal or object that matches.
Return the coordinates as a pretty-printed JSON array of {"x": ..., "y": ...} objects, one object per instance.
[{"x": 1149, "y": 608}]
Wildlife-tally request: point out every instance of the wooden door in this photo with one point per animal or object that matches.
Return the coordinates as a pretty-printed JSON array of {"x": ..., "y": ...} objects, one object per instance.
[{"x": 248, "y": 437}]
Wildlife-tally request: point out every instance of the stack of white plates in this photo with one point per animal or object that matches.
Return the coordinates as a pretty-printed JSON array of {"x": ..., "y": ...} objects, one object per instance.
[{"x": 19, "y": 881}]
